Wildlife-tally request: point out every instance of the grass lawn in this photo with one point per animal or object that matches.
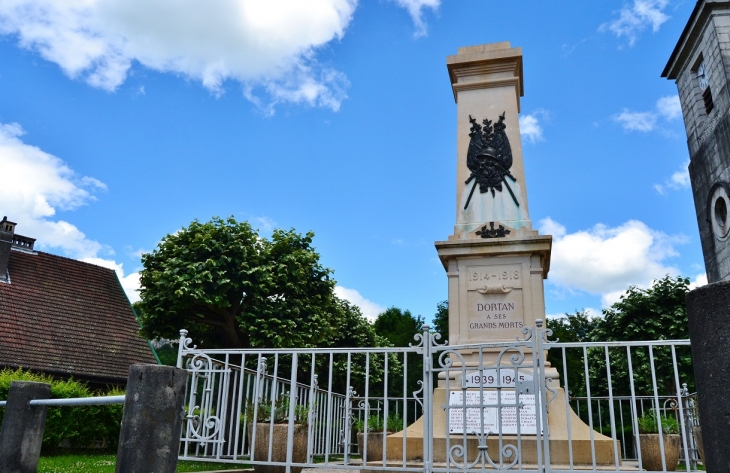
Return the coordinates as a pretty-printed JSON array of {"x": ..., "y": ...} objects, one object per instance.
[{"x": 95, "y": 463}]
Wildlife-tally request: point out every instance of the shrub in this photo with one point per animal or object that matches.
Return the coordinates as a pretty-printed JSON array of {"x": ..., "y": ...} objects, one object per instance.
[
  {"x": 375, "y": 424},
  {"x": 648, "y": 423},
  {"x": 281, "y": 412},
  {"x": 80, "y": 426}
]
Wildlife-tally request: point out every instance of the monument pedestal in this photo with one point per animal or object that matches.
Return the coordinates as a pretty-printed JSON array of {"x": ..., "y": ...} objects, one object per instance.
[
  {"x": 495, "y": 286},
  {"x": 559, "y": 421}
]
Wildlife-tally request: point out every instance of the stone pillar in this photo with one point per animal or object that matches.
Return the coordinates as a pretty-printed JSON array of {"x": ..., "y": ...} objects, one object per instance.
[
  {"x": 152, "y": 419},
  {"x": 21, "y": 434},
  {"x": 708, "y": 312},
  {"x": 495, "y": 261}
]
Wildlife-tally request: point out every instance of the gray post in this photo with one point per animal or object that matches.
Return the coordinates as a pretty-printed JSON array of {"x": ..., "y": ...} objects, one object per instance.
[
  {"x": 708, "y": 311},
  {"x": 21, "y": 434},
  {"x": 152, "y": 419}
]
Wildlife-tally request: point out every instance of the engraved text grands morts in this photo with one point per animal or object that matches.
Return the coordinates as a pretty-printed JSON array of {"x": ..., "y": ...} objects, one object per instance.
[{"x": 494, "y": 299}]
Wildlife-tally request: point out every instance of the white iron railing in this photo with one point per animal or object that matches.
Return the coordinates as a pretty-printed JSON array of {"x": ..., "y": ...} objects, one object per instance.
[{"x": 490, "y": 406}]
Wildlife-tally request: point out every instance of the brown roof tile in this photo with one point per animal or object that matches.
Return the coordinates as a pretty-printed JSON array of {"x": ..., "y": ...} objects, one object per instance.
[{"x": 60, "y": 315}]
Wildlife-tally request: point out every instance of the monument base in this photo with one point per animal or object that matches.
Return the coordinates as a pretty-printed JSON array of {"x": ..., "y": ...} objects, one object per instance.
[{"x": 559, "y": 420}]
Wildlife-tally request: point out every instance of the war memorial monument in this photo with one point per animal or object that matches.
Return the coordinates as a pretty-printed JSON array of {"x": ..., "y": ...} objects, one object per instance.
[{"x": 495, "y": 263}]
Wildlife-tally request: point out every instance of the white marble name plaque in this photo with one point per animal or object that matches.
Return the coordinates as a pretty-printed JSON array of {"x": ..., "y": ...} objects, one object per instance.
[
  {"x": 528, "y": 419},
  {"x": 490, "y": 378}
]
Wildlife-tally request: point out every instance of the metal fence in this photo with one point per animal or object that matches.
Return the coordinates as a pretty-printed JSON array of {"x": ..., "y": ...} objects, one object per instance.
[
  {"x": 626, "y": 409},
  {"x": 527, "y": 405},
  {"x": 237, "y": 396},
  {"x": 223, "y": 398}
]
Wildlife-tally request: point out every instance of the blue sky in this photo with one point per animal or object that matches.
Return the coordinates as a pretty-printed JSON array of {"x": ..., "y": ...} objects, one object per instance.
[{"x": 122, "y": 121}]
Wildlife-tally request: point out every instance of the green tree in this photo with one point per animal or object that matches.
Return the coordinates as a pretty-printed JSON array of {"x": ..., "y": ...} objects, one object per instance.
[
  {"x": 656, "y": 313},
  {"x": 233, "y": 288},
  {"x": 352, "y": 329},
  {"x": 571, "y": 328},
  {"x": 398, "y": 326},
  {"x": 441, "y": 320}
]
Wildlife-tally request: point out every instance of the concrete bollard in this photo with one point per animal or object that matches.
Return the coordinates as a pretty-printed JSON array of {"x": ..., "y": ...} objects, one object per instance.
[
  {"x": 152, "y": 420},
  {"x": 21, "y": 434},
  {"x": 708, "y": 312}
]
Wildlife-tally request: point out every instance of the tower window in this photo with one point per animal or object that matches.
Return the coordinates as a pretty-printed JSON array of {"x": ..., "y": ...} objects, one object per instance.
[{"x": 707, "y": 99}]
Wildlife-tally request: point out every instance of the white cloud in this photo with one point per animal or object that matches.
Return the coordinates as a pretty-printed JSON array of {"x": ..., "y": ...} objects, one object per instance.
[
  {"x": 39, "y": 184},
  {"x": 590, "y": 311},
  {"x": 265, "y": 224},
  {"x": 530, "y": 128},
  {"x": 606, "y": 261},
  {"x": 635, "y": 18},
  {"x": 131, "y": 286},
  {"x": 415, "y": 9},
  {"x": 137, "y": 254},
  {"x": 369, "y": 308},
  {"x": 636, "y": 121},
  {"x": 549, "y": 226},
  {"x": 677, "y": 181},
  {"x": 699, "y": 280},
  {"x": 267, "y": 46},
  {"x": 593, "y": 312},
  {"x": 669, "y": 107}
]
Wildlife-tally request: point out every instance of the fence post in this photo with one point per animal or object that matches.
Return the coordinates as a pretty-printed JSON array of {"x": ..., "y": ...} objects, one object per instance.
[
  {"x": 427, "y": 339},
  {"x": 21, "y": 434},
  {"x": 152, "y": 420},
  {"x": 708, "y": 312}
]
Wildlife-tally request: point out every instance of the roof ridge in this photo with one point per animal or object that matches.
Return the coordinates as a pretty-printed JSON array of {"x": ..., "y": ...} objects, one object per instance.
[{"x": 72, "y": 259}]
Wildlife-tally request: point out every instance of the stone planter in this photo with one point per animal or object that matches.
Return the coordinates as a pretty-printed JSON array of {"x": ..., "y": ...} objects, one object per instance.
[
  {"x": 278, "y": 452},
  {"x": 697, "y": 432},
  {"x": 651, "y": 454},
  {"x": 375, "y": 446}
]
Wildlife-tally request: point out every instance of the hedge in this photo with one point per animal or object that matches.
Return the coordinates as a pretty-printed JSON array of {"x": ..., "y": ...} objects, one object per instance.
[{"x": 78, "y": 427}]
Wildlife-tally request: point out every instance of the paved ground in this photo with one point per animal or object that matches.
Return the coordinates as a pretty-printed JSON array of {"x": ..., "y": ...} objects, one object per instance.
[
  {"x": 328, "y": 470},
  {"x": 305, "y": 470}
]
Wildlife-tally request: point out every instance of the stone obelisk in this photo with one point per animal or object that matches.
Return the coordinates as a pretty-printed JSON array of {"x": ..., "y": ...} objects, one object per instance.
[{"x": 494, "y": 260}]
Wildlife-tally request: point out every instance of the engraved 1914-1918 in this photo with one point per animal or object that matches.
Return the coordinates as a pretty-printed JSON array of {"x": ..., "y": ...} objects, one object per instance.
[{"x": 494, "y": 297}]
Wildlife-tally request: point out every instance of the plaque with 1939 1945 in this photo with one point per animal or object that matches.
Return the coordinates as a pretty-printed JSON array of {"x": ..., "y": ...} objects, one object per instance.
[{"x": 496, "y": 391}]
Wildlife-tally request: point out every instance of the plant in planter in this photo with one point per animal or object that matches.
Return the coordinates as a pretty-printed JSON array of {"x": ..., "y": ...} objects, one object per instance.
[
  {"x": 651, "y": 455},
  {"x": 277, "y": 434},
  {"x": 376, "y": 426}
]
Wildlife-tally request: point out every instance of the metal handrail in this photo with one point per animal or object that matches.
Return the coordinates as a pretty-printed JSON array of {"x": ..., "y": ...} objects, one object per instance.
[{"x": 75, "y": 401}]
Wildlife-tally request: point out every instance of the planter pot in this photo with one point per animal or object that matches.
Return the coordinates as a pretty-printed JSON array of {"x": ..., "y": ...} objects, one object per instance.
[
  {"x": 651, "y": 454},
  {"x": 278, "y": 451},
  {"x": 697, "y": 432},
  {"x": 375, "y": 446}
]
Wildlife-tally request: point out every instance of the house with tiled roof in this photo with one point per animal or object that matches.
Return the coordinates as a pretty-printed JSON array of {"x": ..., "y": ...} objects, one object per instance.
[{"x": 64, "y": 317}]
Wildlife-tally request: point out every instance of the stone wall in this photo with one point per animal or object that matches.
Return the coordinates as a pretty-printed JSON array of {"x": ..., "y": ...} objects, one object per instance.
[{"x": 708, "y": 166}]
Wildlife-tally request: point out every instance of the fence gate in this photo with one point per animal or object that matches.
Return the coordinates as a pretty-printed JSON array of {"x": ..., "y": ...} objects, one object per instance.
[{"x": 435, "y": 408}]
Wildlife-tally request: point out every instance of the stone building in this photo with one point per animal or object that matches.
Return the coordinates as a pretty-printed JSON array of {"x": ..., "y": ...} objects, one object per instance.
[
  {"x": 64, "y": 317},
  {"x": 700, "y": 65}
]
